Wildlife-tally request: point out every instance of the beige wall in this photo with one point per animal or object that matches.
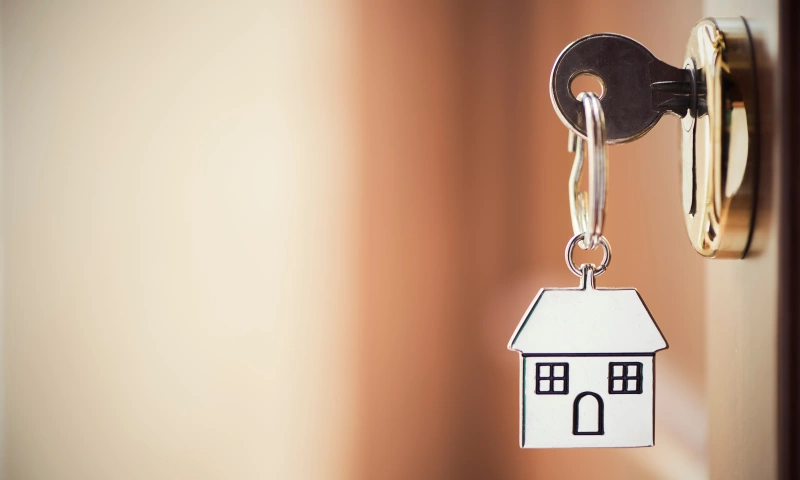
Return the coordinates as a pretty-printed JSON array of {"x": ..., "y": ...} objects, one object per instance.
[{"x": 179, "y": 213}]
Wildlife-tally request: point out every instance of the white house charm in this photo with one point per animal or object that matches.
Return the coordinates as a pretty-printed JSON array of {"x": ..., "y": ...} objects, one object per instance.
[
  {"x": 588, "y": 354},
  {"x": 588, "y": 367}
]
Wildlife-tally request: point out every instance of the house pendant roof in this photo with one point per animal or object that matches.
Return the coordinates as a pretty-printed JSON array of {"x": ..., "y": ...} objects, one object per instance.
[{"x": 587, "y": 321}]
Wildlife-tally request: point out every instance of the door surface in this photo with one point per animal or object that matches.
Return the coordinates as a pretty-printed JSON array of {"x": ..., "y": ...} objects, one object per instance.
[{"x": 743, "y": 309}]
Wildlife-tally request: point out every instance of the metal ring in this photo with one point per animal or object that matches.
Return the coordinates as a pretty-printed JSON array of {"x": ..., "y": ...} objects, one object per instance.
[
  {"x": 588, "y": 210},
  {"x": 571, "y": 247}
]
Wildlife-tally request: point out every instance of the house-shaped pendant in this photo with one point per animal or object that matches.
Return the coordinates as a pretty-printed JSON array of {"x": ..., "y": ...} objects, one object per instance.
[{"x": 588, "y": 368}]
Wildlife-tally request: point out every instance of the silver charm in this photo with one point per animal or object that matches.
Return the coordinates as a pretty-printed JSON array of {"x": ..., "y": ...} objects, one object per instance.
[
  {"x": 588, "y": 365},
  {"x": 588, "y": 354}
]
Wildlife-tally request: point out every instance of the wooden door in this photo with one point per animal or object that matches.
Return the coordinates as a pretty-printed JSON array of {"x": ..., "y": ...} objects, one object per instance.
[{"x": 751, "y": 305}]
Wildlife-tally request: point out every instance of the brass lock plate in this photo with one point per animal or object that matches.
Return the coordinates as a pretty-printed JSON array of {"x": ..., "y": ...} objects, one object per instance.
[{"x": 720, "y": 147}]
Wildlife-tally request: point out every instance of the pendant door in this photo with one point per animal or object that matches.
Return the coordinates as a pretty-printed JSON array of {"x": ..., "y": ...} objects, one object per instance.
[{"x": 587, "y": 414}]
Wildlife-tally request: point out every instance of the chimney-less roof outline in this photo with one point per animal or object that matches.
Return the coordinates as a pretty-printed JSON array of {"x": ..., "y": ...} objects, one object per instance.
[{"x": 579, "y": 321}]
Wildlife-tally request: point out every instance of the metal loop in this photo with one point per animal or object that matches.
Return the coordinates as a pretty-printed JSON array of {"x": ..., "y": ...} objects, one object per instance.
[
  {"x": 571, "y": 248},
  {"x": 588, "y": 209}
]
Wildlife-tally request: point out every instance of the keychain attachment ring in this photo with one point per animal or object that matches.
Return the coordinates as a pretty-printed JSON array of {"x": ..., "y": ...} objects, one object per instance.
[
  {"x": 587, "y": 210},
  {"x": 578, "y": 270}
]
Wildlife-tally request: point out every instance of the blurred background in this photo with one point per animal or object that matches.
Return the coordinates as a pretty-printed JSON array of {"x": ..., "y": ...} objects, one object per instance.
[{"x": 291, "y": 240}]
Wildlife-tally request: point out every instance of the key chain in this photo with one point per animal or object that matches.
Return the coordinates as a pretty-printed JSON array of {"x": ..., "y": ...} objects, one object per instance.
[{"x": 587, "y": 354}]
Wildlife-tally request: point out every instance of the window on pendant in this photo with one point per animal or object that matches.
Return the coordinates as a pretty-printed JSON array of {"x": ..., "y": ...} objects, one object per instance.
[
  {"x": 552, "y": 378},
  {"x": 625, "y": 377}
]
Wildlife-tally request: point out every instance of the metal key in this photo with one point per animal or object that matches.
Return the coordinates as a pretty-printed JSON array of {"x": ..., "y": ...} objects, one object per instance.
[{"x": 638, "y": 88}]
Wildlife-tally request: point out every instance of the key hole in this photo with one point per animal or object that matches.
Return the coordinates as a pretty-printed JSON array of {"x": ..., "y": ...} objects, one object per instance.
[{"x": 586, "y": 82}]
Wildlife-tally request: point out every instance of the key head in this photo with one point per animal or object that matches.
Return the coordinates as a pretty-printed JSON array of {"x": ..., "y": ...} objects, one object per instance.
[{"x": 623, "y": 67}]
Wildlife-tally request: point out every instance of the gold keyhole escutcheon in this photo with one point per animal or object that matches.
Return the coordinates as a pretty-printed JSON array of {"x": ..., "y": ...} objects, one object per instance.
[{"x": 720, "y": 146}]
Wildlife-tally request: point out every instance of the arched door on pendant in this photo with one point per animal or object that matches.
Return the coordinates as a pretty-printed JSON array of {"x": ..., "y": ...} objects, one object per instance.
[{"x": 587, "y": 414}]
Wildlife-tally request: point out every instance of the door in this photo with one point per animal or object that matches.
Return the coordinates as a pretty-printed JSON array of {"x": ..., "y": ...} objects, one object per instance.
[
  {"x": 751, "y": 306},
  {"x": 587, "y": 414}
]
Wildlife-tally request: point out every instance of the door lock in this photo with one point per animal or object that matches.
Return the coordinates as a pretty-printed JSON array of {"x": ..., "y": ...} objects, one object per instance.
[{"x": 714, "y": 94}]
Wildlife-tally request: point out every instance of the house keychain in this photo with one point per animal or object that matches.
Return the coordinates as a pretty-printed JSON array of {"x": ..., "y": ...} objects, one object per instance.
[{"x": 588, "y": 354}]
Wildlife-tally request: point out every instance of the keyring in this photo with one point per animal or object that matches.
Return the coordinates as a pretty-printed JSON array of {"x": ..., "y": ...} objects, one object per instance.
[
  {"x": 571, "y": 247},
  {"x": 588, "y": 209}
]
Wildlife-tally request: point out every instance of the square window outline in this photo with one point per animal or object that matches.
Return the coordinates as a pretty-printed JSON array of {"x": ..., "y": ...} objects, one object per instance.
[
  {"x": 545, "y": 385},
  {"x": 552, "y": 377},
  {"x": 624, "y": 378}
]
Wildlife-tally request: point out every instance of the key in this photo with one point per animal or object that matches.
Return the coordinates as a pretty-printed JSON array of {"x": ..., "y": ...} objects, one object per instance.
[{"x": 638, "y": 88}]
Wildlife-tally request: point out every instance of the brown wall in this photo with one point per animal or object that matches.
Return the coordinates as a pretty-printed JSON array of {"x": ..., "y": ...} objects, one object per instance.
[{"x": 465, "y": 217}]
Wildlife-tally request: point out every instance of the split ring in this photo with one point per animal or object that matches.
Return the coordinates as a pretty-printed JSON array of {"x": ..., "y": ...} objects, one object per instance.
[
  {"x": 587, "y": 209},
  {"x": 571, "y": 247}
]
